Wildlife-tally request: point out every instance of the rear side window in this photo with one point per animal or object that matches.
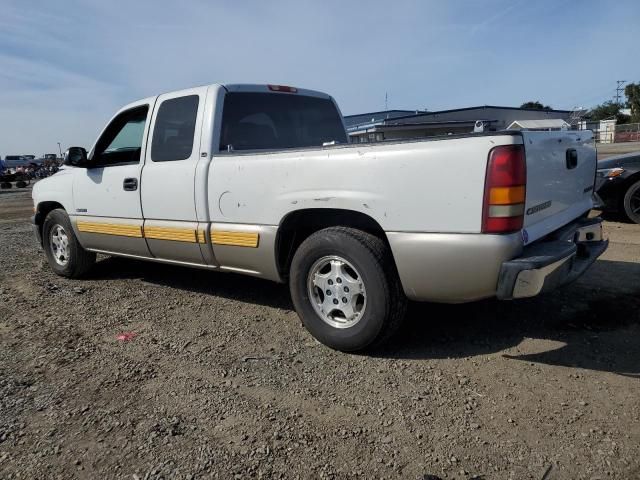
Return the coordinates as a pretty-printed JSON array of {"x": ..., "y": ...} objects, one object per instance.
[
  {"x": 259, "y": 121},
  {"x": 174, "y": 129}
]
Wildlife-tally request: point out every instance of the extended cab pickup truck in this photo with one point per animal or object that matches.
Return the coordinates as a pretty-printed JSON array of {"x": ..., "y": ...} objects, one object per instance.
[{"x": 261, "y": 180}]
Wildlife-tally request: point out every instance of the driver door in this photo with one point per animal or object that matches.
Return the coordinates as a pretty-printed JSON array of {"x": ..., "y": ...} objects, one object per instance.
[{"x": 106, "y": 195}]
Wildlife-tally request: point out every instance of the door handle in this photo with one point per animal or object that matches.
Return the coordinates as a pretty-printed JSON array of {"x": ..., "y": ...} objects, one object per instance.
[
  {"x": 130, "y": 184},
  {"x": 572, "y": 158}
]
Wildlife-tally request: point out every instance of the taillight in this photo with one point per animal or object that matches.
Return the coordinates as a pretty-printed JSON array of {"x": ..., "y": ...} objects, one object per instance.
[
  {"x": 504, "y": 190},
  {"x": 282, "y": 88}
]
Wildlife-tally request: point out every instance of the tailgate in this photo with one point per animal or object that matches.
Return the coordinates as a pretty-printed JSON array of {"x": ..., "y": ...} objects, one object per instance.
[{"x": 561, "y": 170}]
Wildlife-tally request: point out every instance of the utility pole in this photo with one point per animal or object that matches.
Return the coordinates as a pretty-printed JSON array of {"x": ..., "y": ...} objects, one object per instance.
[
  {"x": 60, "y": 148},
  {"x": 619, "y": 90},
  {"x": 386, "y": 100}
]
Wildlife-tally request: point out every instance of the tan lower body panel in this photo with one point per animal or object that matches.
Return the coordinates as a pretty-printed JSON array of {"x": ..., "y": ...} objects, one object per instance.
[
  {"x": 236, "y": 247},
  {"x": 246, "y": 248},
  {"x": 174, "y": 240},
  {"x": 119, "y": 234}
]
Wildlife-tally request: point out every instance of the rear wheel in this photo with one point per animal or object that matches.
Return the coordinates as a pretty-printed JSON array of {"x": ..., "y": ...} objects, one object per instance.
[
  {"x": 66, "y": 256},
  {"x": 346, "y": 290},
  {"x": 631, "y": 202}
]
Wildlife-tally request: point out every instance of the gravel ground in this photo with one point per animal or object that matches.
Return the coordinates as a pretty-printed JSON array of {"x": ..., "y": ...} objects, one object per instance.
[{"x": 221, "y": 381}]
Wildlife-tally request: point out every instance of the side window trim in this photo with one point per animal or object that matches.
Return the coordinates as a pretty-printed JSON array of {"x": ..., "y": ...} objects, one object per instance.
[
  {"x": 178, "y": 142},
  {"x": 140, "y": 160}
]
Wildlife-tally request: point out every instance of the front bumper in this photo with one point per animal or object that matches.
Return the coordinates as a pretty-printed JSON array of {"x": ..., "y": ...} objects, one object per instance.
[
  {"x": 608, "y": 193},
  {"x": 549, "y": 264}
]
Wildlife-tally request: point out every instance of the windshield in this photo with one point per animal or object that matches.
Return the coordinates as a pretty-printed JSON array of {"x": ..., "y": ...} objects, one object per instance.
[{"x": 254, "y": 121}]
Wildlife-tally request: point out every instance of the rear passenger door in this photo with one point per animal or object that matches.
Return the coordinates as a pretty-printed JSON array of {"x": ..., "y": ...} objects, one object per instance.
[{"x": 167, "y": 188}]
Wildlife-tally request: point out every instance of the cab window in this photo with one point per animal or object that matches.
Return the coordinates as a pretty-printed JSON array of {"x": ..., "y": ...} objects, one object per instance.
[
  {"x": 121, "y": 142},
  {"x": 174, "y": 129},
  {"x": 268, "y": 121}
]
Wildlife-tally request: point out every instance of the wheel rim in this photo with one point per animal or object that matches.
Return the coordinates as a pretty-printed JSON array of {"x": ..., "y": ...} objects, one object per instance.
[
  {"x": 337, "y": 291},
  {"x": 634, "y": 202},
  {"x": 59, "y": 245}
]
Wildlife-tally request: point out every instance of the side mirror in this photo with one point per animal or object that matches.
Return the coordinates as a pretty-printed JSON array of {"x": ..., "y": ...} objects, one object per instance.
[{"x": 76, "y": 157}]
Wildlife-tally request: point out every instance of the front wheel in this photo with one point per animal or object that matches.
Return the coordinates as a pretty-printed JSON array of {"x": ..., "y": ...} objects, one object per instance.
[
  {"x": 346, "y": 290},
  {"x": 631, "y": 202},
  {"x": 66, "y": 256}
]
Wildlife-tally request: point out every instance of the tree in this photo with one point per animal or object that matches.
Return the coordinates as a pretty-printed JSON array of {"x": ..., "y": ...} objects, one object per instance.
[
  {"x": 535, "y": 105},
  {"x": 608, "y": 111},
  {"x": 632, "y": 92}
]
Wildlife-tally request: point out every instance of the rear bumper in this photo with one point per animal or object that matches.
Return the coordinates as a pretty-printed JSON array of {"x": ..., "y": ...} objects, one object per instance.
[{"x": 546, "y": 265}]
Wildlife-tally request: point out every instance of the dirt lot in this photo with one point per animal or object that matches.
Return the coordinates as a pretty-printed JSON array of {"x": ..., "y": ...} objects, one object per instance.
[{"x": 222, "y": 382}]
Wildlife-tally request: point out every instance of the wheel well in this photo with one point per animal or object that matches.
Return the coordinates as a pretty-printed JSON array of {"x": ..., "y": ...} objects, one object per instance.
[
  {"x": 299, "y": 225},
  {"x": 631, "y": 180},
  {"x": 43, "y": 210},
  {"x": 622, "y": 191}
]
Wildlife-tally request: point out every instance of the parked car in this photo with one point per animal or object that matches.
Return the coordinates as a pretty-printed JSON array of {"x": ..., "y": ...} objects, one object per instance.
[
  {"x": 261, "y": 180},
  {"x": 18, "y": 163},
  {"x": 15, "y": 161},
  {"x": 618, "y": 185}
]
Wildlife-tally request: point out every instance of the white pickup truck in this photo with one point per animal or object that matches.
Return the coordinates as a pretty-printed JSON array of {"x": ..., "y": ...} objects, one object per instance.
[{"x": 261, "y": 180}]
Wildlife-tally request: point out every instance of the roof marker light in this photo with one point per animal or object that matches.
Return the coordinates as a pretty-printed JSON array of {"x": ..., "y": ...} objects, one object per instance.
[{"x": 282, "y": 88}]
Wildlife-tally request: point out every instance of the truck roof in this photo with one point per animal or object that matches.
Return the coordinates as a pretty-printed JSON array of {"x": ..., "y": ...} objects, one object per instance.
[
  {"x": 270, "y": 88},
  {"x": 240, "y": 87}
]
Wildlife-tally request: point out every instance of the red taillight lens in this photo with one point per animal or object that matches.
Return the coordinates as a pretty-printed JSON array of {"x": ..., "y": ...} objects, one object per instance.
[
  {"x": 282, "y": 88},
  {"x": 504, "y": 192}
]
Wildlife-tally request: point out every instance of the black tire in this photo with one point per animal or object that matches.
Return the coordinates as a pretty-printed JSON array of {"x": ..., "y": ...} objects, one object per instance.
[
  {"x": 631, "y": 202},
  {"x": 21, "y": 184},
  {"x": 372, "y": 261},
  {"x": 5, "y": 185},
  {"x": 78, "y": 261}
]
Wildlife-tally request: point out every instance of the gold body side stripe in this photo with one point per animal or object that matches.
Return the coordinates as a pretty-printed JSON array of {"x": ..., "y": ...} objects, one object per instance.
[
  {"x": 218, "y": 237},
  {"x": 171, "y": 233},
  {"x": 110, "y": 229},
  {"x": 236, "y": 239}
]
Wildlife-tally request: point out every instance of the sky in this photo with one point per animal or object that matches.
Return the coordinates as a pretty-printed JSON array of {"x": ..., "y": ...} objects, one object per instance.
[{"x": 66, "y": 66}]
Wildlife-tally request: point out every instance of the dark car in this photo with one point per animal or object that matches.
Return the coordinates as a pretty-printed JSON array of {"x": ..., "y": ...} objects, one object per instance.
[{"x": 618, "y": 185}]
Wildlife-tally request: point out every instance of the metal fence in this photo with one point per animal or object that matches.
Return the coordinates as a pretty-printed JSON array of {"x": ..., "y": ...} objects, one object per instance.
[{"x": 627, "y": 132}]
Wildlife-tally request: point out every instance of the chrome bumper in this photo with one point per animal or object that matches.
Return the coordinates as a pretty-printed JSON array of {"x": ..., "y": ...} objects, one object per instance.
[{"x": 549, "y": 264}]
